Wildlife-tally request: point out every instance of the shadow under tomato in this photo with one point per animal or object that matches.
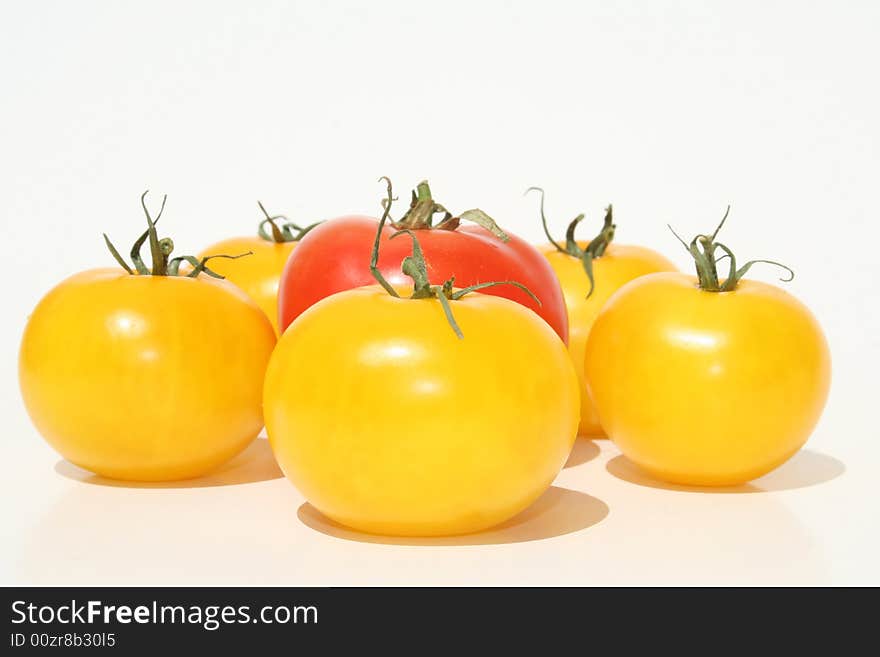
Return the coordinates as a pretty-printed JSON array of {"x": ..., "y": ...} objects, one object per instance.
[
  {"x": 256, "y": 463},
  {"x": 584, "y": 450},
  {"x": 806, "y": 468},
  {"x": 557, "y": 512}
]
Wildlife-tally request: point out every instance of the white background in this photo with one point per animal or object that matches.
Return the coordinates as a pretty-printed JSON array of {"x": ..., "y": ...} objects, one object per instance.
[{"x": 669, "y": 109}]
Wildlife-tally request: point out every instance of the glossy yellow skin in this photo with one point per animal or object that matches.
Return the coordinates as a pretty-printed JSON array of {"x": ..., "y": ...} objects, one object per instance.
[
  {"x": 258, "y": 274},
  {"x": 706, "y": 388},
  {"x": 390, "y": 424},
  {"x": 143, "y": 377},
  {"x": 618, "y": 265}
]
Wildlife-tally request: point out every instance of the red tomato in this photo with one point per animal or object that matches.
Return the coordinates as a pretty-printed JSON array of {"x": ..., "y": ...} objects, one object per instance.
[{"x": 335, "y": 256}]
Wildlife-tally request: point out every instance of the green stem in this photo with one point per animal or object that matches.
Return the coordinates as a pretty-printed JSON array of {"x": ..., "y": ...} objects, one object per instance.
[
  {"x": 599, "y": 244},
  {"x": 136, "y": 254},
  {"x": 544, "y": 220},
  {"x": 155, "y": 250},
  {"x": 594, "y": 249},
  {"x": 416, "y": 268},
  {"x": 285, "y": 232},
  {"x": 374, "y": 254},
  {"x": 447, "y": 310},
  {"x": 277, "y": 235},
  {"x": 703, "y": 250},
  {"x": 423, "y": 207},
  {"x": 201, "y": 264},
  {"x": 423, "y": 191},
  {"x": 160, "y": 249},
  {"x": 116, "y": 255}
]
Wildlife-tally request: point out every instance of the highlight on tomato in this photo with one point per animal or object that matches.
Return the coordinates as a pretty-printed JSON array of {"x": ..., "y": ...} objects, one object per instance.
[
  {"x": 428, "y": 412},
  {"x": 144, "y": 373},
  {"x": 259, "y": 274},
  {"x": 590, "y": 272},
  {"x": 331, "y": 259},
  {"x": 707, "y": 380}
]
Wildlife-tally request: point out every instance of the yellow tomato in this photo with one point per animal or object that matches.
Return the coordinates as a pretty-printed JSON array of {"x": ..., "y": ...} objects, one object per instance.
[
  {"x": 618, "y": 265},
  {"x": 145, "y": 377},
  {"x": 258, "y": 274},
  {"x": 706, "y": 388},
  {"x": 390, "y": 424}
]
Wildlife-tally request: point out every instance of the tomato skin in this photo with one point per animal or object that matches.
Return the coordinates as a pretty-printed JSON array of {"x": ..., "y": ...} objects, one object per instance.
[
  {"x": 390, "y": 424},
  {"x": 145, "y": 378},
  {"x": 258, "y": 274},
  {"x": 618, "y": 265},
  {"x": 707, "y": 388},
  {"x": 335, "y": 256}
]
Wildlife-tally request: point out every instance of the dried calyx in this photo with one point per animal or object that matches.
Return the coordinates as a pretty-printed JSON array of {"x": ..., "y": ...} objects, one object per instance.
[
  {"x": 280, "y": 229},
  {"x": 415, "y": 267},
  {"x": 703, "y": 249},
  {"x": 594, "y": 249},
  {"x": 423, "y": 207},
  {"x": 160, "y": 250}
]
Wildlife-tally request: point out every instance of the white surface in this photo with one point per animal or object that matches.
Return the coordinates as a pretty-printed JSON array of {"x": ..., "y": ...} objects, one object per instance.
[{"x": 670, "y": 110}]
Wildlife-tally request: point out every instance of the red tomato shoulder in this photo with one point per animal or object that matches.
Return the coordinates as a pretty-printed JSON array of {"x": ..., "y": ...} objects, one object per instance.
[{"x": 335, "y": 256}]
